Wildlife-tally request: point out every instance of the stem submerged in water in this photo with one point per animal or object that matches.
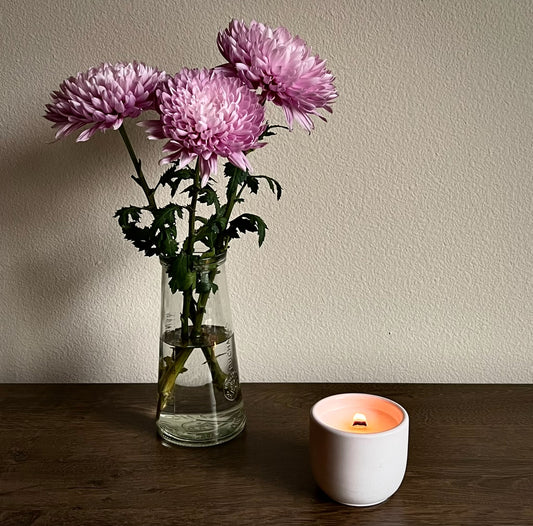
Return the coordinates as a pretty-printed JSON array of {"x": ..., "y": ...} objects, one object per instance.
[
  {"x": 217, "y": 374},
  {"x": 167, "y": 377}
]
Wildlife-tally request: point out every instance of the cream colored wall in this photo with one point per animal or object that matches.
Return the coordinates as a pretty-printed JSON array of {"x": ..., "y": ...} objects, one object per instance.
[{"x": 401, "y": 250}]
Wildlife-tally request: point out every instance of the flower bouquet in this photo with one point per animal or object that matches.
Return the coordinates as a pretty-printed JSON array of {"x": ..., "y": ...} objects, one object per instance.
[{"x": 203, "y": 115}]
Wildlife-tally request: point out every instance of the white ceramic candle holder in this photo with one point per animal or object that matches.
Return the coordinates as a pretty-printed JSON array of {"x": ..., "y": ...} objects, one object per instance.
[{"x": 361, "y": 464}]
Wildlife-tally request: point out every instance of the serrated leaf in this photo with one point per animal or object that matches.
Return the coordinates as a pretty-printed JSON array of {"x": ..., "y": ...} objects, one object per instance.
[
  {"x": 236, "y": 178},
  {"x": 253, "y": 184},
  {"x": 228, "y": 169},
  {"x": 141, "y": 238},
  {"x": 247, "y": 223},
  {"x": 163, "y": 229},
  {"x": 209, "y": 231},
  {"x": 157, "y": 239},
  {"x": 273, "y": 184},
  {"x": 166, "y": 215},
  {"x": 209, "y": 196},
  {"x": 268, "y": 130},
  {"x": 173, "y": 178},
  {"x": 128, "y": 215}
]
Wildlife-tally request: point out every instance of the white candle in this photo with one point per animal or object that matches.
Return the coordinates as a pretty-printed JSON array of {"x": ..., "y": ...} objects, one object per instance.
[{"x": 358, "y": 446}]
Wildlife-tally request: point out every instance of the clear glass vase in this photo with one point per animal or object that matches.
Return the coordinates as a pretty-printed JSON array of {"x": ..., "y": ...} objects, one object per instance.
[{"x": 199, "y": 395}]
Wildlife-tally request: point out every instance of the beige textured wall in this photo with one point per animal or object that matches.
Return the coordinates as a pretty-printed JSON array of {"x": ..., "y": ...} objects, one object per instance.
[{"x": 401, "y": 250}]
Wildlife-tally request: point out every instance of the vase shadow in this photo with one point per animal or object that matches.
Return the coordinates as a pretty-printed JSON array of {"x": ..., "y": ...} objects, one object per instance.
[
  {"x": 266, "y": 458},
  {"x": 135, "y": 419}
]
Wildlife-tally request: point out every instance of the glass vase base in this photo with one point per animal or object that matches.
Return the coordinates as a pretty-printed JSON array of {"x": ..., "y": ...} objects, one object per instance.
[{"x": 201, "y": 429}]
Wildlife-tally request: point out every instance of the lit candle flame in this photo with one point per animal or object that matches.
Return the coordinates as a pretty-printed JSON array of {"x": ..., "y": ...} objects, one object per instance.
[{"x": 359, "y": 420}]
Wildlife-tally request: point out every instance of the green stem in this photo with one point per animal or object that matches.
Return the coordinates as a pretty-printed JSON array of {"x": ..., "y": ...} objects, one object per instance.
[
  {"x": 167, "y": 378},
  {"x": 189, "y": 242},
  {"x": 202, "y": 302},
  {"x": 140, "y": 179},
  {"x": 221, "y": 242},
  {"x": 188, "y": 248},
  {"x": 218, "y": 375},
  {"x": 233, "y": 198},
  {"x": 173, "y": 367}
]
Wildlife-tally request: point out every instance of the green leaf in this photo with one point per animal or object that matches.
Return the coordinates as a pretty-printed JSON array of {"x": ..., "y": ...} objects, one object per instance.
[
  {"x": 204, "y": 286},
  {"x": 173, "y": 178},
  {"x": 228, "y": 169},
  {"x": 268, "y": 130},
  {"x": 128, "y": 219},
  {"x": 157, "y": 239},
  {"x": 180, "y": 272},
  {"x": 209, "y": 231},
  {"x": 236, "y": 178},
  {"x": 128, "y": 215},
  {"x": 163, "y": 230},
  {"x": 247, "y": 223},
  {"x": 253, "y": 184},
  {"x": 203, "y": 283},
  {"x": 273, "y": 184},
  {"x": 209, "y": 196}
]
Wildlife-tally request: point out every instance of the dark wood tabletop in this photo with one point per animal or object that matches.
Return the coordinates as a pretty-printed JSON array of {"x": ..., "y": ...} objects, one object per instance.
[{"x": 89, "y": 455}]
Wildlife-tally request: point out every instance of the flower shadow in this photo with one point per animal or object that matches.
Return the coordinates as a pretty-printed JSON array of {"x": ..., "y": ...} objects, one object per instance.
[{"x": 44, "y": 263}]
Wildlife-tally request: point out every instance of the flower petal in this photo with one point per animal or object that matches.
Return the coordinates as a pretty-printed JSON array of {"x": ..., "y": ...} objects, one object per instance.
[
  {"x": 103, "y": 96},
  {"x": 282, "y": 67},
  {"x": 205, "y": 115}
]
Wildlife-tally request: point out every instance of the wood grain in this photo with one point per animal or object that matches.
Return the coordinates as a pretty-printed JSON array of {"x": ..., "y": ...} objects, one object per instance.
[{"x": 89, "y": 455}]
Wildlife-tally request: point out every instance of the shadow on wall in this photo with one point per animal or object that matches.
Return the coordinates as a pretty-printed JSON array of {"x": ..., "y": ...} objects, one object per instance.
[{"x": 51, "y": 258}]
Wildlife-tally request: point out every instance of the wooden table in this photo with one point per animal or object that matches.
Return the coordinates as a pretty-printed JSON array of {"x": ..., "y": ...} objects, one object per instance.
[{"x": 89, "y": 455}]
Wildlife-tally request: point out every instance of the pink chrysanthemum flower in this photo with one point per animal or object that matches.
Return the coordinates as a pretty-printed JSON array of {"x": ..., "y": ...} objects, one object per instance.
[
  {"x": 280, "y": 65},
  {"x": 103, "y": 97},
  {"x": 206, "y": 114}
]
